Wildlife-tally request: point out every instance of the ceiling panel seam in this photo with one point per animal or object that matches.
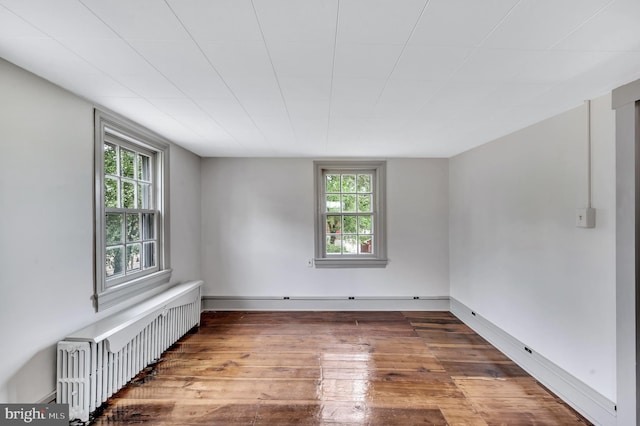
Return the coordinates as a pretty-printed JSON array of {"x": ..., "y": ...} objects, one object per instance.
[
  {"x": 466, "y": 59},
  {"x": 586, "y": 21},
  {"x": 159, "y": 72},
  {"x": 275, "y": 74},
  {"x": 395, "y": 65},
  {"x": 99, "y": 70},
  {"x": 213, "y": 67},
  {"x": 333, "y": 70}
]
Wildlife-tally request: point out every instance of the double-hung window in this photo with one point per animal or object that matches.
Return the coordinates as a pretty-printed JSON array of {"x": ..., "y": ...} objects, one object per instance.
[
  {"x": 350, "y": 214},
  {"x": 131, "y": 210}
]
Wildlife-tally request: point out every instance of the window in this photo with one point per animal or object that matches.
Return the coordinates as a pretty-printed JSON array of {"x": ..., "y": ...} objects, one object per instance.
[
  {"x": 350, "y": 214},
  {"x": 131, "y": 208}
]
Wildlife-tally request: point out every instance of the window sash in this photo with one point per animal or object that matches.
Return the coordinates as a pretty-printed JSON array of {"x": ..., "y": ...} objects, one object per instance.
[
  {"x": 124, "y": 272},
  {"x": 125, "y": 242}
]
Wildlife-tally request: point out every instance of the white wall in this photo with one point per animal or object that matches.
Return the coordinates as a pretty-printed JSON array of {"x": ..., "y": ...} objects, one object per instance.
[
  {"x": 258, "y": 231},
  {"x": 517, "y": 258},
  {"x": 184, "y": 198},
  {"x": 46, "y": 231}
]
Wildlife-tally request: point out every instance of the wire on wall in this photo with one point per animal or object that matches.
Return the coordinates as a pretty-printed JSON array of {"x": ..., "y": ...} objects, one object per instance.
[{"x": 588, "y": 153}]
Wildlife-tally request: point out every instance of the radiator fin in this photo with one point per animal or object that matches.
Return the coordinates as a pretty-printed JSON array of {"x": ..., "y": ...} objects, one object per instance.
[{"x": 74, "y": 366}]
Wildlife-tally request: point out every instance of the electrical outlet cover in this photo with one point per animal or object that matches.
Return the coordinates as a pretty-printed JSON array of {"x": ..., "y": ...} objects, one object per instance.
[{"x": 586, "y": 218}]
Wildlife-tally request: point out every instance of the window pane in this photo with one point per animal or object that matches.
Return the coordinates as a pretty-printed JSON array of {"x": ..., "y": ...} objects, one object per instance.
[
  {"x": 133, "y": 227},
  {"x": 350, "y": 245},
  {"x": 349, "y": 225},
  {"x": 113, "y": 228},
  {"x": 334, "y": 244},
  {"x": 110, "y": 159},
  {"x": 366, "y": 244},
  {"x": 334, "y": 224},
  {"x": 111, "y": 192},
  {"x": 364, "y": 224},
  {"x": 148, "y": 226},
  {"x": 114, "y": 261},
  {"x": 127, "y": 162},
  {"x": 348, "y": 183},
  {"x": 332, "y": 183},
  {"x": 144, "y": 167},
  {"x": 349, "y": 203},
  {"x": 144, "y": 196},
  {"x": 149, "y": 259},
  {"x": 128, "y": 195},
  {"x": 364, "y": 203},
  {"x": 333, "y": 203},
  {"x": 364, "y": 183},
  {"x": 133, "y": 257}
]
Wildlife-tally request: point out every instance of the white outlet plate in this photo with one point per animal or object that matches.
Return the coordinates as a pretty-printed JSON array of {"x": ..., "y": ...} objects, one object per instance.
[
  {"x": 310, "y": 263},
  {"x": 586, "y": 218}
]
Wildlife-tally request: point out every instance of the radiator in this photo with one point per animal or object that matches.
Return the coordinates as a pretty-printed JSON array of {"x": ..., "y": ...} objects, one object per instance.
[{"x": 97, "y": 361}]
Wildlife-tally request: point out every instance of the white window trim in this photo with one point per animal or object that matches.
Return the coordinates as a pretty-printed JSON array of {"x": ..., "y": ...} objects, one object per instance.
[
  {"x": 379, "y": 258},
  {"x": 107, "y": 296}
]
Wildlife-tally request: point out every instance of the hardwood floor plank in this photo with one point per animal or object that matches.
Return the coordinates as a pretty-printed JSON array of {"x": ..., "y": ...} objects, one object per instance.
[
  {"x": 263, "y": 359},
  {"x": 517, "y": 411},
  {"x": 482, "y": 369},
  {"x": 443, "y": 337},
  {"x": 343, "y": 413},
  {"x": 208, "y": 373},
  {"x": 465, "y": 353},
  {"x": 417, "y": 362},
  {"x": 384, "y": 375},
  {"x": 404, "y": 416},
  {"x": 335, "y": 368},
  {"x": 288, "y": 414},
  {"x": 345, "y": 330},
  {"x": 411, "y": 393},
  {"x": 461, "y": 412},
  {"x": 238, "y": 389},
  {"x": 516, "y": 387}
]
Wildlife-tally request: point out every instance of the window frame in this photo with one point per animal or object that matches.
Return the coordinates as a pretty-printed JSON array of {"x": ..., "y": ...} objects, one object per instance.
[
  {"x": 377, "y": 259},
  {"x": 113, "y": 129}
]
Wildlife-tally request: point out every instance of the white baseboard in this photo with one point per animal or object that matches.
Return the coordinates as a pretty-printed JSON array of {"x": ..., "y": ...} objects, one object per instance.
[
  {"x": 226, "y": 303},
  {"x": 584, "y": 399}
]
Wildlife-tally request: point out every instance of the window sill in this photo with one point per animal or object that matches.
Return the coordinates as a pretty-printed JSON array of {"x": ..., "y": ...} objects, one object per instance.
[
  {"x": 351, "y": 263},
  {"x": 115, "y": 295}
]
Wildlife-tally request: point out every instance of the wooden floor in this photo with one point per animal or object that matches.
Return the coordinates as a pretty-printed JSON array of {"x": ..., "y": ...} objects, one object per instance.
[{"x": 335, "y": 368}]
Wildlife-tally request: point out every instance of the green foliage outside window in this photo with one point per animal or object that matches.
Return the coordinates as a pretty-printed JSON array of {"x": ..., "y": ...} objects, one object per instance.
[
  {"x": 127, "y": 186},
  {"x": 349, "y": 195}
]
